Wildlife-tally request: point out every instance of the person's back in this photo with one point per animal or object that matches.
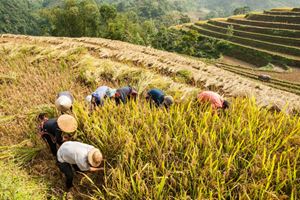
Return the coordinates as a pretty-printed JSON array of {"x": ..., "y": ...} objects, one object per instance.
[
  {"x": 98, "y": 96},
  {"x": 101, "y": 91},
  {"x": 157, "y": 96},
  {"x": 80, "y": 156},
  {"x": 125, "y": 93},
  {"x": 213, "y": 98},
  {"x": 75, "y": 153}
]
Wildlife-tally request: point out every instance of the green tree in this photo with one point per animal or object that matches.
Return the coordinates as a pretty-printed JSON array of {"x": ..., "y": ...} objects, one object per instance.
[
  {"x": 74, "y": 19},
  {"x": 241, "y": 10},
  {"x": 107, "y": 12}
]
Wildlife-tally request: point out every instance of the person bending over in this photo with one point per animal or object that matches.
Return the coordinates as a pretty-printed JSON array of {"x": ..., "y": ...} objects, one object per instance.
[
  {"x": 124, "y": 94},
  {"x": 80, "y": 156},
  {"x": 214, "y": 99},
  {"x": 51, "y": 130},
  {"x": 97, "y": 98},
  {"x": 158, "y": 98},
  {"x": 64, "y": 101}
]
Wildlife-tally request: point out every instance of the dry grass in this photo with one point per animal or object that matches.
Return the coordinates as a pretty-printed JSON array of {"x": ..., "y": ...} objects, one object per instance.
[{"x": 150, "y": 153}]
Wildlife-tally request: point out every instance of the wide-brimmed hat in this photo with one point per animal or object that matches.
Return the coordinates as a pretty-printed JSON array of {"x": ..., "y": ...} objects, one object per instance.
[
  {"x": 95, "y": 157},
  {"x": 67, "y": 123},
  {"x": 63, "y": 103}
]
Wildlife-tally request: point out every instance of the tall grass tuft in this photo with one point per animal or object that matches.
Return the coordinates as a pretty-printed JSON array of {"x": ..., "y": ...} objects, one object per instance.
[{"x": 21, "y": 153}]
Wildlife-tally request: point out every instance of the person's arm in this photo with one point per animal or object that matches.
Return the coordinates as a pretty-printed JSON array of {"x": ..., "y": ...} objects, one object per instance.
[
  {"x": 95, "y": 169},
  {"x": 123, "y": 98}
]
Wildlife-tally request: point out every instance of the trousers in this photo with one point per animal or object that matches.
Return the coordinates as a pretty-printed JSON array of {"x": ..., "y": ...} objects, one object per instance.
[{"x": 67, "y": 170}]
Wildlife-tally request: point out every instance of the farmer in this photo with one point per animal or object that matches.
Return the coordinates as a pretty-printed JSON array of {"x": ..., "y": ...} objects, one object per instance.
[
  {"x": 64, "y": 101},
  {"x": 159, "y": 98},
  {"x": 82, "y": 157},
  {"x": 97, "y": 97},
  {"x": 123, "y": 94},
  {"x": 214, "y": 99},
  {"x": 51, "y": 129}
]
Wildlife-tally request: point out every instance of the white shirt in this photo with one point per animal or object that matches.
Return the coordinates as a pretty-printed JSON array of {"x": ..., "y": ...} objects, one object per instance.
[
  {"x": 101, "y": 91},
  {"x": 75, "y": 153}
]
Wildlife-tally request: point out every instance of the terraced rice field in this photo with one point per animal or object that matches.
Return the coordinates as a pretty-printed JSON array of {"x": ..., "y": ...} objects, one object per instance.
[
  {"x": 272, "y": 36},
  {"x": 187, "y": 152},
  {"x": 193, "y": 73}
]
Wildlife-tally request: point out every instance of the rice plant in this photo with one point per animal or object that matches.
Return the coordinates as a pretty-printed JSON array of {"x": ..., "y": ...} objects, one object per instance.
[{"x": 188, "y": 152}]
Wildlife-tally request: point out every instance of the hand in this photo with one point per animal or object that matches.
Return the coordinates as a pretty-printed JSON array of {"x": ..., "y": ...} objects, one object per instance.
[{"x": 95, "y": 169}]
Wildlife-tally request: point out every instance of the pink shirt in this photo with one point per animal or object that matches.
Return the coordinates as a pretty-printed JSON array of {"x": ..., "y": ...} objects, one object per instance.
[{"x": 213, "y": 98}]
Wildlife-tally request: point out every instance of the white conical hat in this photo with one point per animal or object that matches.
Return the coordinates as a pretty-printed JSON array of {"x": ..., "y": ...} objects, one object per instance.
[
  {"x": 88, "y": 99},
  {"x": 67, "y": 123},
  {"x": 63, "y": 103}
]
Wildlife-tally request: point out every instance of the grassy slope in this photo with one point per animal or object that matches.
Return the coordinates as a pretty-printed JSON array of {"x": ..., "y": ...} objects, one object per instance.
[
  {"x": 184, "y": 153},
  {"x": 38, "y": 78},
  {"x": 18, "y": 185}
]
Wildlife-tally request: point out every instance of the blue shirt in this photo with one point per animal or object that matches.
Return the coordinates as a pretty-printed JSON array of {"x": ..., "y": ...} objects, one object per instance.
[{"x": 157, "y": 96}]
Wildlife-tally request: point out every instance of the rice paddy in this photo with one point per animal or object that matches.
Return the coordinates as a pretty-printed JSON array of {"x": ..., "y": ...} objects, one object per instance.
[{"x": 186, "y": 152}]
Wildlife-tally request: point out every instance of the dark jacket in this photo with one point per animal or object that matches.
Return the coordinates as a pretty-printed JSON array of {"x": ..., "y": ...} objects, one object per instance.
[
  {"x": 157, "y": 96},
  {"x": 125, "y": 93},
  {"x": 51, "y": 127}
]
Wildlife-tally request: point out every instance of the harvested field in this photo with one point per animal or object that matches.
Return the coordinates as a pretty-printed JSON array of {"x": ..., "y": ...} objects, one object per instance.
[{"x": 291, "y": 75}]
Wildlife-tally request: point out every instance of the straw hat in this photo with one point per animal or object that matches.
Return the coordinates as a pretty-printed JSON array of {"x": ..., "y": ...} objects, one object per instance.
[
  {"x": 63, "y": 103},
  {"x": 95, "y": 157},
  {"x": 67, "y": 123},
  {"x": 168, "y": 100}
]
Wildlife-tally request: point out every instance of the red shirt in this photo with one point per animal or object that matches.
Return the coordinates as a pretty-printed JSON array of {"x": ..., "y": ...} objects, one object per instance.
[{"x": 213, "y": 98}]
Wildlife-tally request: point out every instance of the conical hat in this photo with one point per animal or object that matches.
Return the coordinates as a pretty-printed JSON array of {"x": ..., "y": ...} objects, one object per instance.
[
  {"x": 88, "y": 99},
  {"x": 63, "y": 103},
  {"x": 95, "y": 157},
  {"x": 168, "y": 101},
  {"x": 67, "y": 123}
]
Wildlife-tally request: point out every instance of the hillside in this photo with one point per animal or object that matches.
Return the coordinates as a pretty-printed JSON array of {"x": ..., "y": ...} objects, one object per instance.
[
  {"x": 247, "y": 151},
  {"x": 219, "y": 8},
  {"x": 259, "y": 38}
]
